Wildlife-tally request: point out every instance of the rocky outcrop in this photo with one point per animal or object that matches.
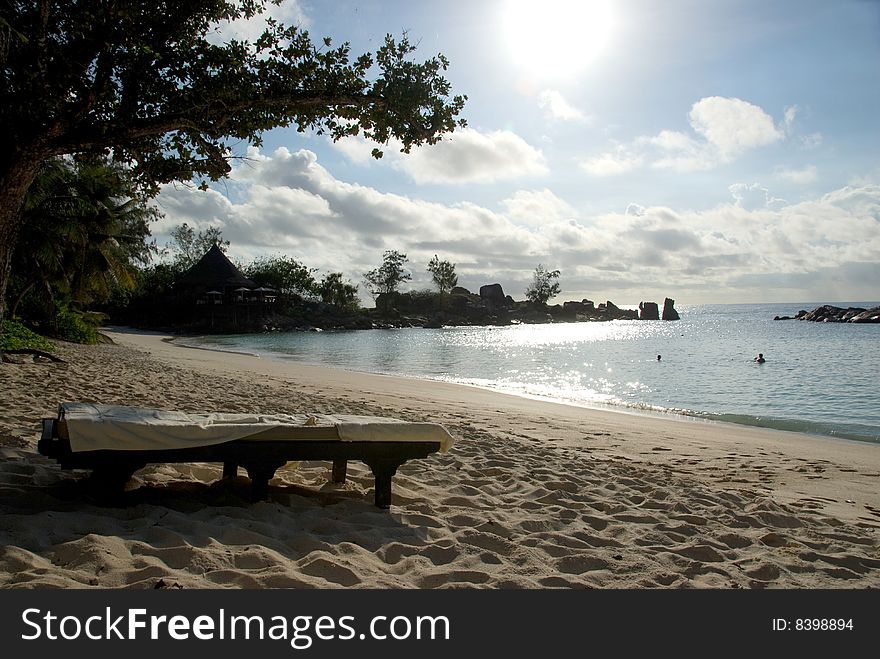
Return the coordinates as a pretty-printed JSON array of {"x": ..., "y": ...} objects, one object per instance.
[
  {"x": 651, "y": 311},
  {"x": 610, "y": 311},
  {"x": 868, "y": 316},
  {"x": 669, "y": 312},
  {"x": 490, "y": 307},
  {"x": 648, "y": 311},
  {"x": 493, "y": 294},
  {"x": 828, "y": 313},
  {"x": 584, "y": 308},
  {"x": 460, "y": 307}
]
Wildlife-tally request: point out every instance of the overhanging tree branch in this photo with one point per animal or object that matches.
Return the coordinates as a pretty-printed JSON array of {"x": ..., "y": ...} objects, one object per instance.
[{"x": 156, "y": 88}]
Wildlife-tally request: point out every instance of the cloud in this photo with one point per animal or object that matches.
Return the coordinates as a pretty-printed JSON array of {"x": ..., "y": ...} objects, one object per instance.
[
  {"x": 556, "y": 107},
  {"x": 612, "y": 163},
  {"x": 858, "y": 201},
  {"x": 287, "y": 201},
  {"x": 636, "y": 210},
  {"x": 465, "y": 156},
  {"x": 746, "y": 249},
  {"x": 469, "y": 156},
  {"x": 812, "y": 141},
  {"x": 808, "y": 174},
  {"x": 809, "y": 141},
  {"x": 287, "y": 13},
  {"x": 722, "y": 130},
  {"x": 679, "y": 151},
  {"x": 732, "y": 125},
  {"x": 789, "y": 117},
  {"x": 731, "y": 247},
  {"x": 733, "y": 252},
  {"x": 360, "y": 150},
  {"x": 753, "y": 196},
  {"x": 536, "y": 207}
]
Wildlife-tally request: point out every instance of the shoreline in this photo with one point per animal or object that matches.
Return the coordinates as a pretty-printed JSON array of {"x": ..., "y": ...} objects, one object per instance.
[
  {"x": 674, "y": 414},
  {"x": 533, "y": 494},
  {"x": 285, "y": 365},
  {"x": 366, "y": 385}
]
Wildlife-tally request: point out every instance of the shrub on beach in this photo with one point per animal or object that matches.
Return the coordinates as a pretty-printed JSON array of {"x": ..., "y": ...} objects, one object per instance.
[
  {"x": 16, "y": 336},
  {"x": 75, "y": 327}
]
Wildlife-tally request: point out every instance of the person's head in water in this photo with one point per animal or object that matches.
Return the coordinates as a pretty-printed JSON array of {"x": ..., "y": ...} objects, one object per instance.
[
  {"x": 760, "y": 358},
  {"x": 658, "y": 358}
]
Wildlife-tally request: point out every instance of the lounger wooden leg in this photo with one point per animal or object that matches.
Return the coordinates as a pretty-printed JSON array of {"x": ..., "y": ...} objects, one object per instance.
[
  {"x": 260, "y": 486},
  {"x": 383, "y": 471},
  {"x": 109, "y": 480},
  {"x": 261, "y": 473},
  {"x": 260, "y": 483},
  {"x": 339, "y": 469},
  {"x": 230, "y": 469}
]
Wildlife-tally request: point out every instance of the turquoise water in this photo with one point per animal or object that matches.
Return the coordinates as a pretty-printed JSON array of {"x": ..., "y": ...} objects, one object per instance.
[{"x": 818, "y": 378}]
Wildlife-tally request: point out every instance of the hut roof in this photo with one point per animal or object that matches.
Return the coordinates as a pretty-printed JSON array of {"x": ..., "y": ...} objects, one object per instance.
[{"x": 215, "y": 270}]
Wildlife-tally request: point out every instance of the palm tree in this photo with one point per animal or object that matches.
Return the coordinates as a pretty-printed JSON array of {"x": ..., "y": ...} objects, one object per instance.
[{"x": 84, "y": 231}]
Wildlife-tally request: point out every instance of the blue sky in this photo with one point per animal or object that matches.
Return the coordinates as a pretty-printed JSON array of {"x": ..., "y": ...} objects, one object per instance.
[{"x": 714, "y": 151}]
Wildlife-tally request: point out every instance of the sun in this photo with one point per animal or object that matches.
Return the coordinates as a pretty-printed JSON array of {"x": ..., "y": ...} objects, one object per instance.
[{"x": 556, "y": 38}]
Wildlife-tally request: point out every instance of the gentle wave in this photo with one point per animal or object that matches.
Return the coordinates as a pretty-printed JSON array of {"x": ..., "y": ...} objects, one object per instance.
[{"x": 854, "y": 431}]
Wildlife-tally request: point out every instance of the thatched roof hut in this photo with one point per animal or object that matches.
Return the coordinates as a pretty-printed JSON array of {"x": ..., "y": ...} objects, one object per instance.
[{"x": 213, "y": 272}]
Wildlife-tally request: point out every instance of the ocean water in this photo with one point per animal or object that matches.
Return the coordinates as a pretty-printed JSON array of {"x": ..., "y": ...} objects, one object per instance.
[{"x": 819, "y": 378}]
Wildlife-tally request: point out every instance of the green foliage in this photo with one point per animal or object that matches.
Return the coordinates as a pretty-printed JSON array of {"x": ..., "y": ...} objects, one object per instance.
[
  {"x": 75, "y": 327},
  {"x": 151, "y": 82},
  {"x": 544, "y": 285},
  {"x": 283, "y": 273},
  {"x": 85, "y": 230},
  {"x": 155, "y": 279},
  {"x": 423, "y": 301},
  {"x": 16, "y": 336},
  {"x": 387, "y": 278},
  {"x": 187, "y": 246},
  {"x": 338, "y": 292},
  {"x": 443, "y": 274}
]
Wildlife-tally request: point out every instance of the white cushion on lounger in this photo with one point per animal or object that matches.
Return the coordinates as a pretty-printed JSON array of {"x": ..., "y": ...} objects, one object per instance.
[{"x": 93, "y": 427}]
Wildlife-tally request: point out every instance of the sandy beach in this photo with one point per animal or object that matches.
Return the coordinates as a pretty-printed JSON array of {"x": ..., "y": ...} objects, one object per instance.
[{"x": 533, "y": 494}]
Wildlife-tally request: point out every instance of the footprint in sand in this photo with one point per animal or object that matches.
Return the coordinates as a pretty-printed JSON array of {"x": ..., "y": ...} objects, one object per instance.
[
  {"x": 765, "y": 572},
  {"x": 580, "y": 563},
  {"x": 464, "y": 577},
  {"x": 330, "y": 571}
]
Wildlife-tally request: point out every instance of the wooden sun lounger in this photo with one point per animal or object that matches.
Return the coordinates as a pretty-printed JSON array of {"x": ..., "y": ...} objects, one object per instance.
[{"x": 260, "y": 455}]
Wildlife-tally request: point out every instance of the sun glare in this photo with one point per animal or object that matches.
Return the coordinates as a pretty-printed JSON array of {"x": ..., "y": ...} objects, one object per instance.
[{"x": 556, "y": 38}]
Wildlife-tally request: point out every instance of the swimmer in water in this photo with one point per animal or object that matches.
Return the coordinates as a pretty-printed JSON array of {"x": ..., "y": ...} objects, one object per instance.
[{"x": 760, "y": 358}]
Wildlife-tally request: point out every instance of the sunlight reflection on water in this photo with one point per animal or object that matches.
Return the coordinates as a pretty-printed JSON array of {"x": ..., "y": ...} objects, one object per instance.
[{"x": 817, "y": 378}]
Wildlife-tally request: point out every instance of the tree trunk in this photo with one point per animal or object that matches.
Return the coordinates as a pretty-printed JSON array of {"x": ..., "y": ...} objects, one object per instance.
[{"x": 15, "y": 179}]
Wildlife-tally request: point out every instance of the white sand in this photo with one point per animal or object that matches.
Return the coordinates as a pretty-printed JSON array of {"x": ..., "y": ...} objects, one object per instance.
[{"x": 533, "y": 495}]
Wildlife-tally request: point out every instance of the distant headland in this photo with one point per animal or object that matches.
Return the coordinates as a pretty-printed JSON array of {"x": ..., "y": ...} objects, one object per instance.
[
  {"x": 215, "y": 296},
  {"x": 222, "y": 311},
  {"x": 492, "y": 307}
]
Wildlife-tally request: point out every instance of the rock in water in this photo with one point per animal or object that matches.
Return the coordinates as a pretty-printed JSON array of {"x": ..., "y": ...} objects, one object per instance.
[
  {"x": 869, "y": 316},
  {"x": 648, "y": 311},
  {"x": 669, "y": 312},
  {"x": 828, "y": 313}
]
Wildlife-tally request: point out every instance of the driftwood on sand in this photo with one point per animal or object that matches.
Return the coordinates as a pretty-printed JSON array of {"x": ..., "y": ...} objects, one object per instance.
[{"x": 25, "y": 355}]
